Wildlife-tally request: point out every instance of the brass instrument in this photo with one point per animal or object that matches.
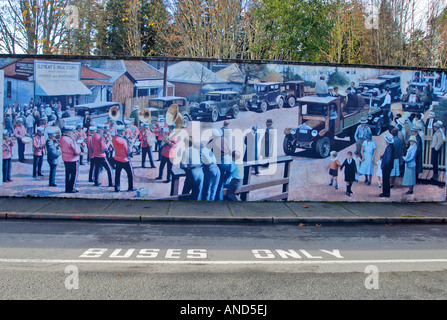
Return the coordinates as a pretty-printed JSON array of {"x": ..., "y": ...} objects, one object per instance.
[
  {"x": 114, "y": 113},
  {"x": 144, "y": 115},
  {"x": 174, "y": 118}
]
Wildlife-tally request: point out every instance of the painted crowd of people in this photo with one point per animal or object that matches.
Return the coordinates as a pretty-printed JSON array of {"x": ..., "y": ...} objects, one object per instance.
[{"x": 402, "y": 157}]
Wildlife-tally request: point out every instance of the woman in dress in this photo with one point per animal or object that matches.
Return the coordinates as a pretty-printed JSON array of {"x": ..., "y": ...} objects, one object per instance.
[
  {"x": 368, "y": 152},
  {"x": 410, "y": 165}
]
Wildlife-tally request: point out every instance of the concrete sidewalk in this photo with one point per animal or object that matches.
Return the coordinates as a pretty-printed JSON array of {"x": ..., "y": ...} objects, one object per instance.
[{"x": 156, "y": 211}]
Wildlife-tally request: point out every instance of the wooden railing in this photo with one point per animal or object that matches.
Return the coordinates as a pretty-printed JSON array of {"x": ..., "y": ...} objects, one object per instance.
[{"x": 247, "y": 185}]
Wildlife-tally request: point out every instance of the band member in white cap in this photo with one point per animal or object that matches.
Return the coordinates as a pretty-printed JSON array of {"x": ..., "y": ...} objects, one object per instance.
[
  {"x": 122, "y": 159},
  {"x": 387, "y": 165},
  {"x": 99, "y": 156},
  {"x": 7, "y": 155},
  {"x": 38, "y": 151},
  {"x": 20, "y": 133},
  {"x": 70, "y": 156}
]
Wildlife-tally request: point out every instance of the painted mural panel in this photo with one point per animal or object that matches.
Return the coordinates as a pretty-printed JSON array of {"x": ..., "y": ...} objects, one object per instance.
[{"x": 221, "y": 130}]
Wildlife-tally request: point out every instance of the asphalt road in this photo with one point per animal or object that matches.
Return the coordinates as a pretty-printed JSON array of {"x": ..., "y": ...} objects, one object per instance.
[{"x": 71, "y": 260}]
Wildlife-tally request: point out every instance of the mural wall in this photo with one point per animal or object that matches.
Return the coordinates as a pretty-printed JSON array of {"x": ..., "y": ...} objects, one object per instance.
[{"x": 221, "y": 130}]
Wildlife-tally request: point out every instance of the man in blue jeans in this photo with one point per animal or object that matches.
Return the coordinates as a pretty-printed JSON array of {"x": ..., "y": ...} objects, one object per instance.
[{"x": 53, "y": 155}]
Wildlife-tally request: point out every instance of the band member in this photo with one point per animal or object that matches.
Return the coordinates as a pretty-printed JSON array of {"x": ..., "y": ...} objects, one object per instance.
[
  {"x": 91, "y": 131},
  {"x": 20, "y": 133},
  {"x": 122, "y": 158},
  {"x": 147, "y": 139},
  {"x": 53, "y": 156},
  {"x": 38, "y": 151},
  {"x": 99, "y": 146},
  {"x": 436, "y": 146},
  {"x": 70, "y": 155},
  {"x": 211, "y": 173},
  {"x": 8, "y": 143},
  {"x": 221, "y": 150},
  {"x": 191, "y": 163},
  {"x": 160, "y": 130},
  {"x": 81, "y": 136},
  {"x": 108, "y": 134},
  {"x": 386, "y": 107},
  {"x": 387, "y": 165},
  {"x": 167, "y": 145}
]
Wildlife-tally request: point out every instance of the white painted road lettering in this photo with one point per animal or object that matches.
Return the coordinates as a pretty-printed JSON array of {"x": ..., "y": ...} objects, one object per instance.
[{"x": 179, "y": 254}]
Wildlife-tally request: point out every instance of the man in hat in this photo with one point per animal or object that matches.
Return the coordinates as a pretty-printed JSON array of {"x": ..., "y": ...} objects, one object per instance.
[
  {"x": 387, "y": 165},
  {"x": 8, "y": 143},
  {"x": 135, "y": 115},
  {"x": 166, "y": 154},
  {"x": 70, "y": 155},
  {"x": 429, "y": 122},
  {"x": 53, "y": 155},
  {"x": 415, "y": 131},
  {"x": 252, "y": 147},
  {"x": 122, "y": 159},
  {"x": 331, "y": 91},
  {"x": 81, "y": 136},
  {"x": 29, "y": 121},
  {"x": 360, "y": 134},
  {"x": 268, "y": 140},
  {"x": 436, "y": 146},
  {"x": 38, "y": 152},
  {"x": 386, "y": 107},
  {"x": 19, "y": 134},
  {"x": 91, "y": 131},
  {"x": 99, "y": 146},
  {"x": 147, "y": 140}
]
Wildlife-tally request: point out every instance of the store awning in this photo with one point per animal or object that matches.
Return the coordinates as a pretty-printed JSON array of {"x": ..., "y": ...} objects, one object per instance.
[{"x": 61, "y": 88}]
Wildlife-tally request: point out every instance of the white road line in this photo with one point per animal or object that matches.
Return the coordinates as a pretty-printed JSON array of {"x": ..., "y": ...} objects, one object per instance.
[{"x": 223, "y": 262}]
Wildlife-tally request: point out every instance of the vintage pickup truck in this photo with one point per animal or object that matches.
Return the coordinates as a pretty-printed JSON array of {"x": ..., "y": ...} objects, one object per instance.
[{"x": 321, "y": 119}]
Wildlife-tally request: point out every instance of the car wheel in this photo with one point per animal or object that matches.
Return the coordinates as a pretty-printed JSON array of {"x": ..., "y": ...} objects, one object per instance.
[
  {"x": 185, "y": 121},
  {"x": 280, "y": 103},
  {"x": 235, "y": 112},
  {"x": 263, "y": 106},
  {"x": 214, "y": 115},
  {"x": 379, "y": 126},
  {"x": 288, "y": 145},
  {"x": 323, "y": 147},
  {"x": 291, "y": 101}
]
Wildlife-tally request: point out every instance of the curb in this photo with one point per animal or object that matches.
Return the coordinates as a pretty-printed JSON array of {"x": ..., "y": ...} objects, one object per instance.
[{"x": 305, "y": 221}]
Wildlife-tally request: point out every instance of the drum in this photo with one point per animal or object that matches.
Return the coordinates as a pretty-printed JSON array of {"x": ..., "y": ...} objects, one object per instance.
[{"x": 27, "y": 140}]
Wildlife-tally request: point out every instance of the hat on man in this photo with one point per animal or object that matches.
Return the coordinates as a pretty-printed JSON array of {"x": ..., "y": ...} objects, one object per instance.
[
  {"x": 146, "y": 125},
  {"x": 41, "y": 129},
  {"x": 19, "y": 120},
  {"x": 69, "y": 128},
  {"x": 50, "y": 131},
  {"x": 92, "y": 128},
  {"x": 431, "y": 114},
  {"x": 136, "y": 107},
  {"x": 269, "y": 121},
  {"x": 120, "y": 128},
  {"x": 6, "y": 133},
  {"x": 100, "y": 126},
  {"x": 217, "y": 132},
  {"x": 437, "y": 124},
  {"x": 389, "y": 138},
  {"x": 412, "y": 138},
  {"x": 363, "y": 120}
]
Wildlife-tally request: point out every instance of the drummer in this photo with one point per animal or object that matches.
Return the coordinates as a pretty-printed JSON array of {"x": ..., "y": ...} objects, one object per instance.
[
  {"x": 81, "y": 137},
  {"x": 20, "y": 134}
]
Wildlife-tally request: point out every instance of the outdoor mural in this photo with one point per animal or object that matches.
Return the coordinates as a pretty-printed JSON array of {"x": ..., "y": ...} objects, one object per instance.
[{"x": 214, "y": 130}]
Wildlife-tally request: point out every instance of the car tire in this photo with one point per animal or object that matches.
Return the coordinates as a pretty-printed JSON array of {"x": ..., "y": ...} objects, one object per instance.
[
  {"x": 280, "y": 103},
  {"x": 185, "y": 121},
  {"x": 379, "y": 127},
  {"x": 263, "y": 106},
  {"x": 291, "y": 101},
  {"x": 214, "y": 115},
  {"x": 288, "y": 146},
  {"x": 323, "y": 147},
  {"x": 235, "y": 112}
]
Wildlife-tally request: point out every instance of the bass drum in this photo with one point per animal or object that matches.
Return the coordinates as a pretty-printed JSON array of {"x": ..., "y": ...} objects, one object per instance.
[{"x": 27, "y": 140}]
